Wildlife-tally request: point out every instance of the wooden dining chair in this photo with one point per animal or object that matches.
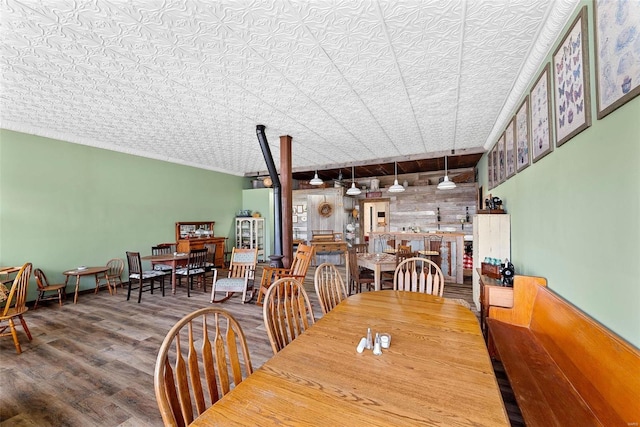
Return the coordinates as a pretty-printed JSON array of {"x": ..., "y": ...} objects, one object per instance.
[
  {"x": 297, "y": 270},
  {"x": 432, "y": 244},
  {"x": 113, "y": 275},
  {"x": 201, "y": 359},
  {"x": 240, "y": 278},
  {"x": 195, "y": 269},
  {"x": 287, "y": 312},
  {"x": 419, "y": 275},
  {"x": 162, "y": 249},
  {"x": 15, "y": 306},
  {"x": 46, "y": 290},
  {"x": 329, "y": 286},
  {"x": 357, "y": 276},
  {"x": 142, "y": 278}
]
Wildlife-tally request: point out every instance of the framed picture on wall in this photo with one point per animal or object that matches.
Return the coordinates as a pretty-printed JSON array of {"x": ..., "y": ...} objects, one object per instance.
[
  {"x": 522, "y": 142},
  {"x": 501, "y": 159},
  {"x": 510, "y": 150},
  {"x": 617, "y": 47},
  {"x": 571, "y": 81},
  {"x": 541, "y": 136},
  {"x": 490, "y": 169},
  {"x": 496, "y": 172}
]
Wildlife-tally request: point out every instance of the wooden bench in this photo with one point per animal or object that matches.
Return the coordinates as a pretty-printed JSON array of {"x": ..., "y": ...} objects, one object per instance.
[{"x": 565, "y": 369}]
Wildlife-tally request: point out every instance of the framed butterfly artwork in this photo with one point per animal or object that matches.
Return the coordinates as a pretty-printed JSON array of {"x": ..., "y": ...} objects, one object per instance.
[
  {"x": 571, "y": 81},
  {"x": 617, "y": 37},
  {"x": 541, "y": 133}
]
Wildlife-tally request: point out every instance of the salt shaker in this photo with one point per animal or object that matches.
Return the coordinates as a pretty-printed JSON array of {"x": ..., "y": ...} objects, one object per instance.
[
  {"x": 369, "y": 341},
  {"x": 361, "y": 345},
  {"x": 377, "y": 350}
]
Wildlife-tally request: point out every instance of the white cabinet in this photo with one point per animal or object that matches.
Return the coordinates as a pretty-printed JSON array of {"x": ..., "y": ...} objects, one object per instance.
[
  {"x": 250, "y": 235},
  {"x": 491, "y": 238}
]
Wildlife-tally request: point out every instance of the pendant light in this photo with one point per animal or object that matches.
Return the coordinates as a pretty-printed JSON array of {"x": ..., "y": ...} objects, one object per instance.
[
  {"x": 396, "y": 188},
  {"x": 353, "y": 191},
  {"x": 445, "y": 184},
  {"x": 316, "y": 180}
]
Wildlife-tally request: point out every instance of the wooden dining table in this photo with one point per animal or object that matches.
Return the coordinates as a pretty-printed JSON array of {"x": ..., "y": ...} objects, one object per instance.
[
  {"x": 174, "y": 260},
  {"x": 436, "y": 371},
  {"x": 378, "y": 262}
]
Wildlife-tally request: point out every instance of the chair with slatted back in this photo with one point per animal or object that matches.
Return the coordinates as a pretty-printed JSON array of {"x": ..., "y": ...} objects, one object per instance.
[
  {"x": 15, "y": 306},
  {"x": 195, "y": 269},
  {"x": 287, "y": 312},
  {"x": 387, "y": 277},
  {"x": 298, "y": 269},
  {"x": 47, "y": 291},
  {"x": 419, "y": 275},
  {"x": 357, "y": 276},
  {"x": 432, "y": 244},
  {"x": 142, "y": 278},
  {"x": 114, "y": 273},
  {"x": 329, "y": 286},
  {"x": 201, "y": 359},
  {"x": 241, "y": 276},
  {"x": 162, "y": 249}
]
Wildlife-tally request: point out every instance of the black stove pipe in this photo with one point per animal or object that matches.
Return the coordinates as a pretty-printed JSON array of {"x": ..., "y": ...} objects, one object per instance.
[{"x": 277, "y": 192}]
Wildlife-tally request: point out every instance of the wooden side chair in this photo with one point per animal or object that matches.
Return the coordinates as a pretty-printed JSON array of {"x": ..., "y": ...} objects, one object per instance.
[
  {"x": 142, "y": 278},
  {"x": 113, "y": 275},
  {"x": 358, "y": 277},
  {"x": 329, "y": 286},
  {"x": 195, "y": 269},
  {"x": 403, "y": 252},
  {"x": 201, "y": 358},
  {"x": 46, "y": 291},
  {"x": 242, "y": 270},
  {"x": 162, "y": 249},
  {"x": 298, "y": 269},
  {"x": 432, "y": 244},
  {"x": 15, "y": 306},
  {"x": 286, "y": 311},
  {"x": 419, "y": 275}
]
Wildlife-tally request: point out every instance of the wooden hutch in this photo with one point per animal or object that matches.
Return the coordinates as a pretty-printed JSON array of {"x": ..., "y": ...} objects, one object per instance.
[{"x": 194, "y": 235}]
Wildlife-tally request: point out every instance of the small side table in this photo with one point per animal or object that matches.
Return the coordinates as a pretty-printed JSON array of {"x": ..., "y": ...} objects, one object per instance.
[{"x": 89, "y": 271}]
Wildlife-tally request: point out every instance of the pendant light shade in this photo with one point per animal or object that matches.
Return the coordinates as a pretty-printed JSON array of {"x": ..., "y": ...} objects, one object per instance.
[
  {"x": 396, "y": 188},
  {"x": 445, "y": 184},
  {"x": 316, "y": 180},
  {"x": 353, "y": 191}
]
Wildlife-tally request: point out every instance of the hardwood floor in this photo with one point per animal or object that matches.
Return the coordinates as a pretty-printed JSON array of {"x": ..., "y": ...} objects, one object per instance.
[{"x": 92, "y": 363}]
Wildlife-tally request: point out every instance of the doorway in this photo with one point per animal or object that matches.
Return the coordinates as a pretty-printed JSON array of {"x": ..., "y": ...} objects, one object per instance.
[{"x": 374, "y": 216}]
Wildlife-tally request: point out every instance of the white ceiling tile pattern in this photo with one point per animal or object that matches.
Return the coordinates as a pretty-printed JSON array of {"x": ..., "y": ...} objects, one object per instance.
[{"x": 350, "y": 81}]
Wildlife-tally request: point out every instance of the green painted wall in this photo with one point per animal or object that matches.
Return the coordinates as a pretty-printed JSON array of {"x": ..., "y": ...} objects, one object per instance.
[
  {"x": 575, "y": 217},
  {"x": 63, "y": 205}
]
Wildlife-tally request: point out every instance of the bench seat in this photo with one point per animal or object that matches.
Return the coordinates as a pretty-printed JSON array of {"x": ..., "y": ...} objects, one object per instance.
[{"x": 564, "y": 367}]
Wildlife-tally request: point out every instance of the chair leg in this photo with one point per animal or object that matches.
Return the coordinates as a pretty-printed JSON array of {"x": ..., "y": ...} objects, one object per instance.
[
  {"x": 60, "y": 297},
  {"x": 14, "y": 335},
  {"x": 140, "y": 290},
  {"x": 35, "y": 305},
  {"x": 129, "y": 291}
]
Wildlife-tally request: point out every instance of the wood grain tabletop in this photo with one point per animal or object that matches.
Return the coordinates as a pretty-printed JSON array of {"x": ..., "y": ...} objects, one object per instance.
[{"x": 437, "y": 371}]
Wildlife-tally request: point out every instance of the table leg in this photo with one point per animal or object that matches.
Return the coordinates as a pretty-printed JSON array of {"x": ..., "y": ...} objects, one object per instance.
[
  {"x": 376, "y": 277},
  {"x": 173, "y": 277},
  {"x": 75, "y": 298}
]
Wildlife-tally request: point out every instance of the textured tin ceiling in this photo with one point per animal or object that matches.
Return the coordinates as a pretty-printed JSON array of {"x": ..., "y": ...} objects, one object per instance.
[{"x": 351, "y": 81}]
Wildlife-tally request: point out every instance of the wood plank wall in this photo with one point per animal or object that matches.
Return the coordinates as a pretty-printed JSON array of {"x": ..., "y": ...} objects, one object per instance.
[{"x": 418, "y": 207}]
